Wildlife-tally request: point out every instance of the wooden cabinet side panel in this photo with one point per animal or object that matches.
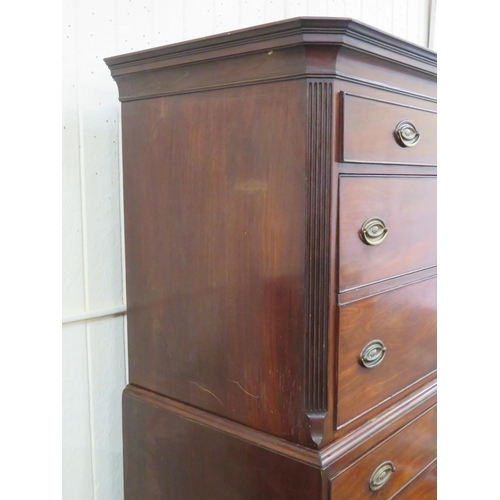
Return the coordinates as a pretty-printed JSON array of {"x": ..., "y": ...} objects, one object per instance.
[
  {"x": 215, "y": 195},
  {"x": 170, "y": 457}
]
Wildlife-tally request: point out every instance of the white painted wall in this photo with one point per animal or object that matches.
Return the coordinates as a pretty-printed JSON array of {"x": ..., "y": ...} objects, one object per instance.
[{"x": 94, "y": 329}]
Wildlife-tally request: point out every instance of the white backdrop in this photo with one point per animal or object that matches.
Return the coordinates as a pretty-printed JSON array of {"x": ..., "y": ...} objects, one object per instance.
[{"x": 94, "y": 333}]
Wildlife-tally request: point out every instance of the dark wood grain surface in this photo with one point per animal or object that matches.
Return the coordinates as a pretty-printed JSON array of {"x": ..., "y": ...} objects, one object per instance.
[
  {"x": 400, "y": 80},
  {"x": 408, "y": 454},
  {"x": 424, "y": 488},
  {"x": 405, "y": 321},
  {"x": 289, "y": 49},
  {"x": 249, "y": 290},
  {"x": 170, "y": 457},
  {"x": 214, "y": 192},
  {"x": 368, "y": 132},
  {"x": 335, "y": 456},
  {"x": 408, "y": 207},
  {"x": 172, "y": 450},
  {"x": 370, "y": 440},
  {"x": 386, "y": 285}
]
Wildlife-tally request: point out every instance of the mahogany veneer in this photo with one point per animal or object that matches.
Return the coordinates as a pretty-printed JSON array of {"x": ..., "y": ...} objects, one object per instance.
[
  {"x": 408, "y": 358},
  {"x": 412, "y": 225},
  {"x": 251, "y": 162},
  {"x": 376, "y": 118}
]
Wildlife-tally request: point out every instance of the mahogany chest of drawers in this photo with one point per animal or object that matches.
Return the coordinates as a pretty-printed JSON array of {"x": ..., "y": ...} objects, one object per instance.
[{"x": 280, "y": 235}]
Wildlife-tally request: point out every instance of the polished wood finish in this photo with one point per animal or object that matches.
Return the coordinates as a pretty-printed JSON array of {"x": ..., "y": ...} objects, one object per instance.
[
  {"x": 409, "y": 337},
  {"x": 215, "y": 245},
  {"x": 422, "y": 488},
  {"x": 332, "y": 457},
  {"x": 408, "y": 207},
  {"x": 170, "y": 457},
  {"x": 368, "y": 132},
  {"x": 386, "y": 285},
  {"x": 408, "y": 454},
  {"x": 394, "y": 419},
  {"x": 345, "y": 49},
  {"x": 173, "y": 450},
  {"x": 249, "y": 290}
]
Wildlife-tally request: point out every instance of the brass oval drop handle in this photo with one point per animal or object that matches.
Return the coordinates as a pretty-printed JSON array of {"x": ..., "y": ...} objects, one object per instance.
[
  {"x": 373, "y": 354},
  {"x": 407, "y": 134},
  {"x": 374, "y": 231},
  {"x": 381, "y": 475}
]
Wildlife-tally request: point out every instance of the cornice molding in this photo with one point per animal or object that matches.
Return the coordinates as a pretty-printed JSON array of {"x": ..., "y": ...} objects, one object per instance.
[{"x": 299, "y": 31}]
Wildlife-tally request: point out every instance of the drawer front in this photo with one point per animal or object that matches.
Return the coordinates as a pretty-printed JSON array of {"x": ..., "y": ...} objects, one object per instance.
[
  {"x": 407, "y": 207},
  {"x": 376, "y": 131},
  {"x": 410, "y": 451},
  {"x": 386, "y": 343},
  {"x": 423, "y": 488}
]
